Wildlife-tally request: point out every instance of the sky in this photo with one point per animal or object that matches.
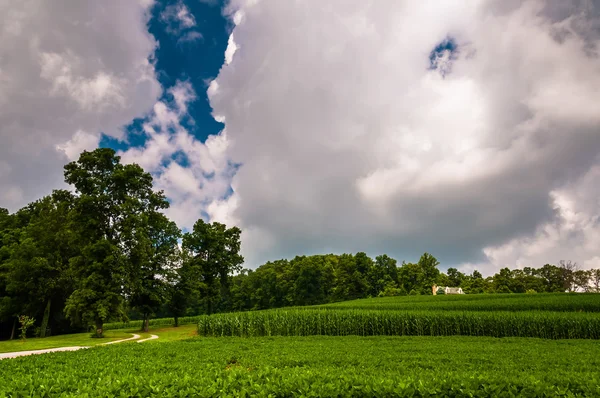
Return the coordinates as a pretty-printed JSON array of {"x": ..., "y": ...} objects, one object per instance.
[{"x": 469, "y": 130}]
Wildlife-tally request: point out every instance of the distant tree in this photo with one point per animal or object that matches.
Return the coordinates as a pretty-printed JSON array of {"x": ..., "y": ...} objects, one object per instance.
[
  {"x": 595, "y": 280},
  {"x": 552, "y": 278},
  {"x": 429, "y": 272},
  {"x": 503, "y": 281},
  {"x": 455, "y": 277},
  {"x": 382, "y": 274},
  {"x": 349, "y": 282},
  {"x": 568, "y": 269},
  {"x": 212, "y": 250},
  {"x": 410, "y": 276},
  {"x": 581, "y": 280}
]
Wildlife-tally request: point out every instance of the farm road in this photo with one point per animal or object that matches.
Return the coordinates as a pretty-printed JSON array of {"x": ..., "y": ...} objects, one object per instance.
[{"x": 7, "y": 355}]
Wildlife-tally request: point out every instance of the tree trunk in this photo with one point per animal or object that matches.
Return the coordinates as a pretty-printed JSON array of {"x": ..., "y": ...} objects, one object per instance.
[
  {"x": 99, "y": 328},
  {"x": 176, "y": 321},
  {"x": 45, "y": 319},
  {"x": 12, "y": 333},
  {"x": 146, "y": 324}
]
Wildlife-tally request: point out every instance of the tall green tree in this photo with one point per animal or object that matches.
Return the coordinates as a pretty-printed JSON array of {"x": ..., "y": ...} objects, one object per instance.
[
  {"x": 39, "y": 266},
  {"x": 212, "y": 251},
  {"x": 112, "y": 200}
]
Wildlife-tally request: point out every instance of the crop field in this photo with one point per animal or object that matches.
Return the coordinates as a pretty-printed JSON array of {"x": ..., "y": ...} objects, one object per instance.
[
  {"x": 574, "y": 302},
  {"x": 313, "y": 366},
  {"x": 458, "y": 346},
  {"x": 549, "y": 316},
  {"x": 549, "y": 325}
]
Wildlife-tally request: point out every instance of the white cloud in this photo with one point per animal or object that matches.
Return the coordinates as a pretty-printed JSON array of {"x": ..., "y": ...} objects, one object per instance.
[
  {"x": 68, "y": 72},
  {"x": 349, "y": 140},
  {"x": 81, "y": 141},
  {"x": 192, "y": 184}
]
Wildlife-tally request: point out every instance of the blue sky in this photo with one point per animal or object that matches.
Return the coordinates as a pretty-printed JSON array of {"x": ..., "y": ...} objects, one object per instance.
[{"x": 197, "y": 61}]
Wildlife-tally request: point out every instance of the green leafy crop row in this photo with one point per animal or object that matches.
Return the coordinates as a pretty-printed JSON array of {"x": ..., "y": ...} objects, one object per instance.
[
  {"x": 312, "y": 367},
  {"x": 549, "y": 325}
]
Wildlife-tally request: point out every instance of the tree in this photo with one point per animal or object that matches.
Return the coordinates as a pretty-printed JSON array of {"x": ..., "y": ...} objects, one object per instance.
[
  {"x": 503, "y": 281},
  {"x": 212, "y": 252},
  {"x": 595, "y": 280},
  {"x": 154, "y": 254},
  {"x": 455, "y": 277},
  {"x": 409, "y": 276},
  {"x": 39, "y": 265},
  {"x": 552, "y": 278},
  {"x": 429, "y": 272},
  {"x": 381, "y": 274},
  {"x": 568, "y": 269},
  {"x": 581, "y": 280},
  {"x": 111, "y": 201}
]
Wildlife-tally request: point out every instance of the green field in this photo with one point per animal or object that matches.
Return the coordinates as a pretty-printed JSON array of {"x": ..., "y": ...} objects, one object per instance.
[
  {"x": 65, "y": 340},
  {"x": 385, "y": 347},
  {"x": 165, "y": 334},
  {"x": 313, "y": 366},
  {"x": 551, "y": 316},
  {"x": 561, "y": 302}
]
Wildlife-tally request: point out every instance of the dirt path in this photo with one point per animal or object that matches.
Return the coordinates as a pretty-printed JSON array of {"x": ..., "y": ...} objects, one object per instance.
[
  {"x": 58, "y": 349},
  {"x": 135, "y": 337},
  {"x": 152, "y": 337}
]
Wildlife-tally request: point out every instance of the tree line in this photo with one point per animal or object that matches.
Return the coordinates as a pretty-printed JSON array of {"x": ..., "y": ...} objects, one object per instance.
[
  {"x": 321, "y": 279},
  {"x": 105, "y": 251}
]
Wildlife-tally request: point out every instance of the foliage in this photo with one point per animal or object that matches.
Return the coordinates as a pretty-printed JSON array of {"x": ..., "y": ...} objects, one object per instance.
[
  {"x": 119, "y": 230},
  {"x": 25, "y": 322},
  {"x": 211, "y": 251},
  {"x": 311, "y": 367}
]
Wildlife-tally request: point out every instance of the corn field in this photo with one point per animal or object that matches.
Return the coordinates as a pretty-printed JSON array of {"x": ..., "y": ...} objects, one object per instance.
[{"x": 548, "y": 325}]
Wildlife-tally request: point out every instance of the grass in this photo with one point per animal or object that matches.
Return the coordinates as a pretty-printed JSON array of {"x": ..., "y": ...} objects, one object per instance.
[
  {"x": 65, "y": 340},
  {"x": 83, "y": 339},
  {"x": 166, "y": 334},
  {"x": 313, "y": 366}
]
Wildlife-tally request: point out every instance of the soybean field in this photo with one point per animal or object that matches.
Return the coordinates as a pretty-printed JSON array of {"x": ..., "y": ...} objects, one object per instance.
[{"x": 320, "y": 366}]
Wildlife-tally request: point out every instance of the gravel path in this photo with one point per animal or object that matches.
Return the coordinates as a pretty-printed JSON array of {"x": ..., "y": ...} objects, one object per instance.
[{"x": 24, "y": 353}]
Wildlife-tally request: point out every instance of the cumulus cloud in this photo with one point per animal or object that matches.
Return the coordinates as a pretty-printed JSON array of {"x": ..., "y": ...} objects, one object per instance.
[
  {"x": 69, "y": 71},
  {"x": 192, "y": 174},
  {"x": 352, "y": 137}
]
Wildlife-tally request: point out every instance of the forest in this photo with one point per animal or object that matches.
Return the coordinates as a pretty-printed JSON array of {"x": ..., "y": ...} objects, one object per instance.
[{"x": 105, "y": 251}]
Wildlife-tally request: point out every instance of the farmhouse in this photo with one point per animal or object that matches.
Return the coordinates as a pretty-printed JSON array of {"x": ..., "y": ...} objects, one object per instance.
[{"x": 446, "y": 290}]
